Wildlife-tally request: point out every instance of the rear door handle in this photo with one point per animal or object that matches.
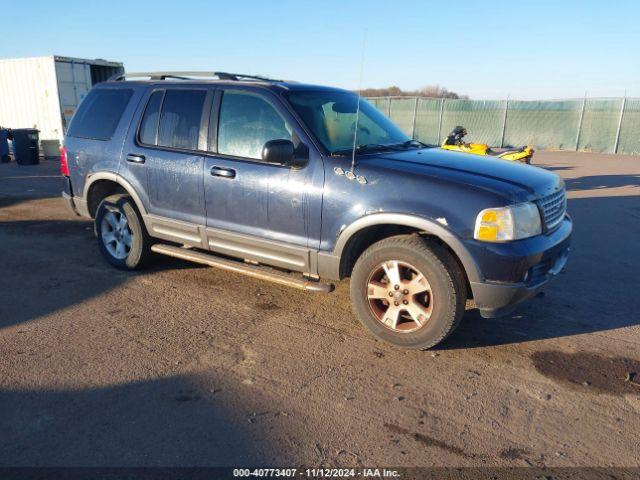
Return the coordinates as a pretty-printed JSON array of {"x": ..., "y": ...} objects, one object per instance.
[
  {"x": 223, "y": 172},
  {"x": 133, "y": 158}
]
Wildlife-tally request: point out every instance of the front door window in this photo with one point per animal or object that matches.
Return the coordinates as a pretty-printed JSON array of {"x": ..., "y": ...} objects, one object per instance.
[{"x": 246, "y": 123}]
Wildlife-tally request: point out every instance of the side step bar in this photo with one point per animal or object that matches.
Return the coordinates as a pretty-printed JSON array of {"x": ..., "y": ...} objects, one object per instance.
[{"x": 245, "y": 269}]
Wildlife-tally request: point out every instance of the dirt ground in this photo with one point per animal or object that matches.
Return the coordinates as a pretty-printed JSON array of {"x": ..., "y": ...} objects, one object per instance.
[{"x": 182, "y": 365}]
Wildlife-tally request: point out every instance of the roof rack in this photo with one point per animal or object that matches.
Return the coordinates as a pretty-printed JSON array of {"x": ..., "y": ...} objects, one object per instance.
[{"x": 236, "y": 77}]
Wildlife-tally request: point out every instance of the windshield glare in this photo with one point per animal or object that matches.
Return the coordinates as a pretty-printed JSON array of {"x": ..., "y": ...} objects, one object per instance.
[{"x": 331, "y": 116}]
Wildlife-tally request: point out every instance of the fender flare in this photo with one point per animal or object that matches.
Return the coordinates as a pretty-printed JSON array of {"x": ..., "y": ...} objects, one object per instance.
[
  {"x": 420, "y": 223},
  {"x": 114, "y": 177}
]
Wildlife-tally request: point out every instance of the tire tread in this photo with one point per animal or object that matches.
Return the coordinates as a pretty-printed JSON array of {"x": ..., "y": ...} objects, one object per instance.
[
  {"x": 439, "y": 256},
  {"x": 143, "y": 255}
]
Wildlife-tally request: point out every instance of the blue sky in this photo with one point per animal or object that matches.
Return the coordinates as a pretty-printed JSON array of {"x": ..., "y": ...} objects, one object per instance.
[{"x": 485, "y": 49}]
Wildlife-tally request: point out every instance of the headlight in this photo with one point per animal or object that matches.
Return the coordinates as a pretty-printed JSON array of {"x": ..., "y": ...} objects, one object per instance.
[{"x": 508, "y": 223}]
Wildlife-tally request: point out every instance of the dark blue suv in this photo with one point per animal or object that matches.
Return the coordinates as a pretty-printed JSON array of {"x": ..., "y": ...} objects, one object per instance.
[{"x": 302, "y": 185}]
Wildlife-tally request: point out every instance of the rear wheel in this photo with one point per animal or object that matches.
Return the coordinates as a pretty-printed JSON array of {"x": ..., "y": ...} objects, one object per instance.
[
  {"x": 408, "y": 291},
  {"x": 122, "y": 237}
]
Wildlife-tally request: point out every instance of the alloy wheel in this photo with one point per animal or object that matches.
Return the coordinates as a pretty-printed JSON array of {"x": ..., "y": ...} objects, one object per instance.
[
  {"x": 400, "y": 296},
  {"x": 116, "y": 234}
]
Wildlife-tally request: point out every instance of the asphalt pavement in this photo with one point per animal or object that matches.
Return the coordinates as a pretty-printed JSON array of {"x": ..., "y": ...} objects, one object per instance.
[{"x": 184, "y": 365}]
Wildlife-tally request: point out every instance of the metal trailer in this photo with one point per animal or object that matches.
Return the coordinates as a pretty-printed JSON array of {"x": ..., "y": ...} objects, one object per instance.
[{"x": 44, "y": 92}]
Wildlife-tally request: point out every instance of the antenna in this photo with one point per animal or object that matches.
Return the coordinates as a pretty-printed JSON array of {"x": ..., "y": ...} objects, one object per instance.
[{"x": 355, "y": 133}]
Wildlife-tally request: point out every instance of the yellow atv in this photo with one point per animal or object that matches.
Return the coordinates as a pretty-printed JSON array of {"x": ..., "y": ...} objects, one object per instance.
[{"x": 454, "y": 142}]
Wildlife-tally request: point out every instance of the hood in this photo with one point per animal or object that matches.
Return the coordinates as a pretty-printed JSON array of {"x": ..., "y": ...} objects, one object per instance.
[{"x": 518, "y": 179}]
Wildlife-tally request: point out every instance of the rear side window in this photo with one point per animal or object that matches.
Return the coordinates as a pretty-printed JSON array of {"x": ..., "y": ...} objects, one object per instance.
[
  {"x": 98, "y": 115},
  {"x": 149, "y": 125},
  {"x": 180, "y": 119}
]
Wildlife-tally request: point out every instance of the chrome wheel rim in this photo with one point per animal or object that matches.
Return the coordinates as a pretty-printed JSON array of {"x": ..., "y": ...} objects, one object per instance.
[
  {"x": 117, "y": 236},
  {"x": 399, "y": 296}
]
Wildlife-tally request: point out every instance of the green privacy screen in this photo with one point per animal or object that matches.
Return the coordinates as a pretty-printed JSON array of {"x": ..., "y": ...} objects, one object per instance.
[
  {"x": 605, "y": 125},
  {"x": 550, "y": 125},
  {"x": 402, "y": 113},
  {"x": 629, "y": 142},
  {"x": 599, "y": 125},
  {"x": 482, "y": 118},
  {"x": 427, "y": 120},
  {"x": 381, "y": 104}
]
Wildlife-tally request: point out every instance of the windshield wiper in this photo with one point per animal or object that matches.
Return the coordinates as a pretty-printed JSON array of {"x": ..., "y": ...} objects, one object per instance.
[
  {"x": 378, "y": 147},
  {"x": 374, "y": 147},
  {"x": 368, "y": 147},
  {"x": 415, "y": 143},
  {"x": 409, "y": 144}
]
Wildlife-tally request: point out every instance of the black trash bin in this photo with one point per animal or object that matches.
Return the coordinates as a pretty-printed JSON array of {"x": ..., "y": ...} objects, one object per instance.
[
  {"x": 4, "y": 145},
  {"x": 25, "y": 146}
]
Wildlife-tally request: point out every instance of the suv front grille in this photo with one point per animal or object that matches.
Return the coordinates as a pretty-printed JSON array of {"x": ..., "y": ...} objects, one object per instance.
[{"x": 553, "y": 208}]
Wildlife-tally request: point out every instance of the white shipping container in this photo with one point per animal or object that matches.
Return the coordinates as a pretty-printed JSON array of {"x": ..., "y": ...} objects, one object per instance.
[{"x": 44, "y": 92}]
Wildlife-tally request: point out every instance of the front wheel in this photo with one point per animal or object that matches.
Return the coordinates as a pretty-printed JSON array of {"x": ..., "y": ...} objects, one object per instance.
[
  {"x": 408, "y": 291},
  {"x": 122, "y": 238}
]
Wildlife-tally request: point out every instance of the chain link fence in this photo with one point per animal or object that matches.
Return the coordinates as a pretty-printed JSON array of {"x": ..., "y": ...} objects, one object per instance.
[{"x": 603, "y": 125}]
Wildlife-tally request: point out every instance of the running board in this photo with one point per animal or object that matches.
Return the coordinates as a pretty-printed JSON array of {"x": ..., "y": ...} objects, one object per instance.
[{"x": 245, "y": 269}]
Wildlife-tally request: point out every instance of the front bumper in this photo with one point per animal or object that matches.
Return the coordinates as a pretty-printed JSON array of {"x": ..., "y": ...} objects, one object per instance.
[{"x": 516, "y": 271}]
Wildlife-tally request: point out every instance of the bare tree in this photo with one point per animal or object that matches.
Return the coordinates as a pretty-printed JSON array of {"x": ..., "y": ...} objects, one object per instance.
[{"x": 435, "y": 91}]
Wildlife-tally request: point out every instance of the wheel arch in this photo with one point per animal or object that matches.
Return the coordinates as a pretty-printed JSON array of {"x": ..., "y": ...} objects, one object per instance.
[
  {"x": 102, "y": 184},
  {"x": 365, "y": 231}
]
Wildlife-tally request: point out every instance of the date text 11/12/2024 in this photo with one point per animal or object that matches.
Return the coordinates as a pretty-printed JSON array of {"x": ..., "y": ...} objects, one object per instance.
[{"x": 317, "y": 472}]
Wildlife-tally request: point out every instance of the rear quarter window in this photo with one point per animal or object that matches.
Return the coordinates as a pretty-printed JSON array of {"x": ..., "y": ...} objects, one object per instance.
[{"x": 99, "y": 114}]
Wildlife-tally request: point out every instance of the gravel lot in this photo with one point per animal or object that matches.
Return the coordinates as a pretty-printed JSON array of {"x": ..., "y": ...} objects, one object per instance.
[{"x": 182, "y": 365}]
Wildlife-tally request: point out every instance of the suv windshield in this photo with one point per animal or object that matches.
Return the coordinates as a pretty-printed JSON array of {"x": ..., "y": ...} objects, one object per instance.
[{"x": 331, "y": 116}]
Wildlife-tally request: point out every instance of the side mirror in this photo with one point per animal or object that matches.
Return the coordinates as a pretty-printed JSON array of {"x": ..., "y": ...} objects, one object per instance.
[{"x": 281, "y": 152}]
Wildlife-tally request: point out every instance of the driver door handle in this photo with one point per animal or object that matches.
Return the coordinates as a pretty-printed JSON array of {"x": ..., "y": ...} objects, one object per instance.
[
  {"x": 223, "y": 172},
  {"x": 133, "y": 158}
]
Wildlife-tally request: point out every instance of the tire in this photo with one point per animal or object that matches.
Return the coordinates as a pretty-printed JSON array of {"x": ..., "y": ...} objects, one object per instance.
[
  {"x": 438, "y": 309},
  {"x": 131, "y": 244}
]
